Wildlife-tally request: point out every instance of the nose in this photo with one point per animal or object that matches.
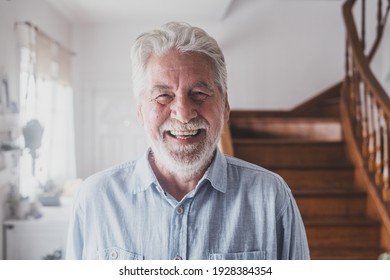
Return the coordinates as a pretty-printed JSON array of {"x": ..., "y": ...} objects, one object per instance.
[{"x": 183, "y": 110}]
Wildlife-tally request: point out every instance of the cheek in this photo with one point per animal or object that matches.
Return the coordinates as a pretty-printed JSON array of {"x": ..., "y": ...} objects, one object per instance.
[
  {"x": 214, "y": 117},
  {"x": 154, "y": 117},
  {"x": 220, "y": 120}
]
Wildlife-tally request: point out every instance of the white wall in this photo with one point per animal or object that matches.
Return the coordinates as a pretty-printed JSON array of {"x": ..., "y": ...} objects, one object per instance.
[
  {"x": 385, "y": 77},
  {"x": 49, "y": 21},
  {"x": 281, "y": 53}
]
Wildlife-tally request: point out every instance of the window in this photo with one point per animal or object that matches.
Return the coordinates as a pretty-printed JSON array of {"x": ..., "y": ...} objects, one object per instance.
[{"x": 46, "y": 114}]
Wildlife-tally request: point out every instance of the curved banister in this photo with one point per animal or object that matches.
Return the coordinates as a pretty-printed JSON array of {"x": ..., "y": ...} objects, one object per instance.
[
  {"x": 366, "y": 103},
  {"x": 362, "y": 62}
]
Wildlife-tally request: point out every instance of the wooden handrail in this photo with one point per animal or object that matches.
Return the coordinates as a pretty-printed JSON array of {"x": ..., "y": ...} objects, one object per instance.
[
  {"x": 361, "y": 61},
  {"x": 366, "y": 102}
]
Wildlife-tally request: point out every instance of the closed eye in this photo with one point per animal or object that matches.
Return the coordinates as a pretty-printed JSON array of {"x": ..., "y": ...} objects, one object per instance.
[
  {"x": 163, "y": 98},
  {"x": 199, "y": 96}
]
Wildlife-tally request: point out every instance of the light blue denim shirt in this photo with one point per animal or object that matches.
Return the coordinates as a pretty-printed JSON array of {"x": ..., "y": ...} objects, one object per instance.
[{"x": 237, "y": 211}]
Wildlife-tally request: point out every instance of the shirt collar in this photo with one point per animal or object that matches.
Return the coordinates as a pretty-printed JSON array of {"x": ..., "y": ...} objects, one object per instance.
[
  {"x": 216, "y": 174},
  {"x": 144, "y": 177}
]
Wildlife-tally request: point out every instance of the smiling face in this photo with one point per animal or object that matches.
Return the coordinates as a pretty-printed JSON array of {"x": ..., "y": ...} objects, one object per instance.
[{"x": 182, "y": 111}]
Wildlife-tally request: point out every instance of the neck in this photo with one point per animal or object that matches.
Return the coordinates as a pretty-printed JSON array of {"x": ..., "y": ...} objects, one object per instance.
[{"x": 175, "y": 184}]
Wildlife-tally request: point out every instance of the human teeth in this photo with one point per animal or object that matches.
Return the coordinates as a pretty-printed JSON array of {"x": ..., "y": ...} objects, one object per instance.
[{"x": 184, "y": 133}]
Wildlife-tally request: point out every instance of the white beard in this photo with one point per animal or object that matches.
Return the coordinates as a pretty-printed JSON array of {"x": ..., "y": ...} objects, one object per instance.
[{"x": 185, "y": 161}]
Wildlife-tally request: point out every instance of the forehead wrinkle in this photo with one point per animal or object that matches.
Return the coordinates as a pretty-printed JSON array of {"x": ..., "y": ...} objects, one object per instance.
[{"x": 174, "y": 73}]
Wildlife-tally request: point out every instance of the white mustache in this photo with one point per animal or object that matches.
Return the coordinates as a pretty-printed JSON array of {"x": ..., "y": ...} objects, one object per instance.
[{"x": 174, "y": 125}]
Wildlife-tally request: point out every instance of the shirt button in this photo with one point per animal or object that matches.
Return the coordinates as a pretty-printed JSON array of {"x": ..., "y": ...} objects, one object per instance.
[
  {"x": 180, "y": 210},
  {"x": 114, "y": 255},
  {"x": 178, "y": 258}
]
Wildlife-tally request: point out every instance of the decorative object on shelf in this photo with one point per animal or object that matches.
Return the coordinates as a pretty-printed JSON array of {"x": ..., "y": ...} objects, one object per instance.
[
  {"x": 50, "y": 195},
  {"x": 7, "y": 106},
  {"x": 20, "y": 207},
  {"x": 10, "y": 154},
  {"x": 17, "y": 204},
  {"x": 12, "y": 200},
  {"x": 56, "y": 255},
  {"x": 32, "y": 133},
  {"x": 4, "y": 95},
  {"x": 22, "y": 210},
  {"x": 8, "y": 147}
]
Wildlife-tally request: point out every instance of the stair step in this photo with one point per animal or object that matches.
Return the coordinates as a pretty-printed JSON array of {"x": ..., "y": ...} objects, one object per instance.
[
  {"x": 288, "y": 153},
  {"x": 351, "y": 231},
  {"x": 340, "y": 221},
  {"x": 330, "y": 202},
  {"x": 286, "y": 127},
  {"x": 337, "y": 253},
  {"x": 305, "y": 146},
  {"x": 317, "y": 177},
  {"x": 328, "y": 108},
  {"x": 324, "y": 104}
]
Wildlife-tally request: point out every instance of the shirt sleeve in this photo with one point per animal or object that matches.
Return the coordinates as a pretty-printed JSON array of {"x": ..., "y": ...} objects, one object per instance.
[
  {"x": 292, "y": 240},
  {"x": 75, "y": 241}
]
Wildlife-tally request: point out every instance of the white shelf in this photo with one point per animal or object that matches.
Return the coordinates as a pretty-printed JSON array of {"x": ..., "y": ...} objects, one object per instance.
[{"x": 34, "y": 239}]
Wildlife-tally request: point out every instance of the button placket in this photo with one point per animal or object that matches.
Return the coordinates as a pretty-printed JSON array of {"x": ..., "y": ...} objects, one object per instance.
[
  {"x": 178, "y": 245},
  {"x": 180, "y": 210}
]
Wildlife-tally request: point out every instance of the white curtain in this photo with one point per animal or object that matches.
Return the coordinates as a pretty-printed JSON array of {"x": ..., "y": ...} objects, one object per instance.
[{"x": 46, "y": 95}]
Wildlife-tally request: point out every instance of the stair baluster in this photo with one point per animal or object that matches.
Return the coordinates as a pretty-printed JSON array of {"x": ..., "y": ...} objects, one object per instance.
[
  {"x": 385, "y": 175},
  {"x": 371, "y": 133},
  {"x": 379, "y": 147},
  {"x": 365, "y": 122}
]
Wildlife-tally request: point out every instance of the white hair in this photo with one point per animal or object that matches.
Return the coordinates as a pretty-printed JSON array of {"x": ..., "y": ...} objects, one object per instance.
[{"x": 177, "y": 36}]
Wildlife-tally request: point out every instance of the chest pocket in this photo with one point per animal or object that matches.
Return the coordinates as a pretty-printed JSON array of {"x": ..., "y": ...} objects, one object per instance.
[
  {"x": 254, "y": 255},
  {"x": 116, "y": 253}
]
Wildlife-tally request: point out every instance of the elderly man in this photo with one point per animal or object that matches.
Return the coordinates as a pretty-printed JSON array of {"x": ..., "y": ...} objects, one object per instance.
[{"x": 184, "y": 199}]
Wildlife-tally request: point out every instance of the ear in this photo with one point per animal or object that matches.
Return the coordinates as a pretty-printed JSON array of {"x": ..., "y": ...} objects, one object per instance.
[{"x": 227, "y": 109}]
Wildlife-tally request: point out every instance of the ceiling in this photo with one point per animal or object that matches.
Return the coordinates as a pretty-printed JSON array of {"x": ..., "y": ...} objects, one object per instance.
[{"x": 92, "y": 11}]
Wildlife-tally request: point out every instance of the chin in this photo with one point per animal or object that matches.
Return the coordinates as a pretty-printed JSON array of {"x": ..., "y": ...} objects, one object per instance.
[{"x": 186, "y": 162}]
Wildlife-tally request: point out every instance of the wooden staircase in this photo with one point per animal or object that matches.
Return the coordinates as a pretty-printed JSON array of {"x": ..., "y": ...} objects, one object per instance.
[{"x": 307, "y": 148}]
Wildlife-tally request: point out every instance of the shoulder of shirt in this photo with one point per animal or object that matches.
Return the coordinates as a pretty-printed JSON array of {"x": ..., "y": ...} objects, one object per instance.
[
  {"x": 124, "y": 167},
  {"x": 99, "y": 179},
  {"x": 98, "y": 184}
]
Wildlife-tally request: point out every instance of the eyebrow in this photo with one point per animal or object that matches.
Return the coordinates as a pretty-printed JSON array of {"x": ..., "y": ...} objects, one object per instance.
[
  {"x": 204, "y": 85},
  {"x": 160, "y": 87},
  {"x": 201, "y": 84}
]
